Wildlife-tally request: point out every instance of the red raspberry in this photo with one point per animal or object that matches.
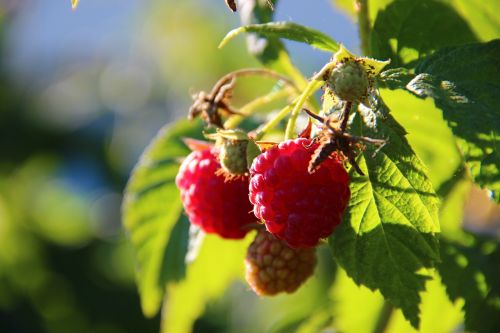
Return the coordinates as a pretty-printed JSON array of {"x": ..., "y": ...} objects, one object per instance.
[
  {"x": 297, "y": 206},
  {"x": 273, "y": 267},
  {"x": 212, "y": 203}
]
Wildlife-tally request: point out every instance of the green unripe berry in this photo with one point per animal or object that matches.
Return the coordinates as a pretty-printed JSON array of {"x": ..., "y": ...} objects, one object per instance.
[
  {"x": 349, "y": 81},
  {"x": 233, "y": 156}
]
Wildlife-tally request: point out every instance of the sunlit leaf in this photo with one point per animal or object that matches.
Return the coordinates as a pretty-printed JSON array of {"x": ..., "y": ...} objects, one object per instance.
[
  {"x": 287, "y": 30},
  {"x": 401, "y": 34},
  {"x": 428, "y": 134},
  {"x": 482, "y": 16},
  {"x": 218, "y": 264},
  {"x": 438, "y": 313},
  {"x": 151, "y": 209},
  {"x": 465, "y": 83},
  {"x": 387, "y": 238},
  {"x": 349, "y": 6},
  {"x": 74, "y": 3},
  {"x": 347, "y": 298}
]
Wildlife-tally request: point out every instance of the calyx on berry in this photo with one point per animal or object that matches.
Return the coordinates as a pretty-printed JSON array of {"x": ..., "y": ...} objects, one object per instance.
[{"x": 234, "y": 149}]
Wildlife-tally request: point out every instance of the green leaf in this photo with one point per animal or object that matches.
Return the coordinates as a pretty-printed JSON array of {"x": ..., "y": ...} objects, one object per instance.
[
  {"x": 349, "y": 6},
  {"x": 347, "y": 298},
  {"x": 151, "y": 211},
  {"x": 387, "y": 238},
  {"x": 219, "y": 263},
  {"x": 470, "y": 271},
  {"x": 439, "y": 314},
  {"x": 422, "y": 119},
  {"x": 287, "y": 30},
  {"x": 394, "y": 78},
  {"x": 174, "y": 260},
  {"x": 481, "y": 15},
  {"x": 269, "y": 51},
  {"x": 407, "y": 30},
  {"x": 465, "y": 83}
]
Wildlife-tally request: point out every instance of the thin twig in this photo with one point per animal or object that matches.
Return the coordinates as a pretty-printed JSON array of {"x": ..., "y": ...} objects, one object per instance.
[{"x": 345, "y": 116}]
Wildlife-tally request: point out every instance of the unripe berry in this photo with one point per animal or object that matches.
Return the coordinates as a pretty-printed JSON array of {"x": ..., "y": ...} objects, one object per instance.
[
  {"x": 273, "y": 267},
  {"x": 233, "y": 156},
  {"x": 349, "y": 81}
]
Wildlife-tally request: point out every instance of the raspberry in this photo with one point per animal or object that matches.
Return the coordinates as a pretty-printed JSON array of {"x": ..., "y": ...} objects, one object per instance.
[
  {"x": 273, "y": 267},
  {"x": 212, "y": 203},
  {"x": 297, "y": 206},
  {"x": 349, "y": 81}
]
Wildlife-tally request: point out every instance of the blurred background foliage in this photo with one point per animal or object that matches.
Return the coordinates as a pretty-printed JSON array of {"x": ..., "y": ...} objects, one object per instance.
[{"x": 81, "y": 95}]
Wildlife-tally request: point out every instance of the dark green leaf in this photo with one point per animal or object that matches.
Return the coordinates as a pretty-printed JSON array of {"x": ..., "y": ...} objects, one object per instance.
[
  {"x": 151, "y": 211},
  {"x": 407, "y": 30},
  {"x": 394, "y": 78},
  {"x": 471, "y": 271},
  {"x": 465, "y": 83},
  {"x": 174, "y": 260},
  {"x": 387, "y": 238},
  {"x": 287, "y": 30}
]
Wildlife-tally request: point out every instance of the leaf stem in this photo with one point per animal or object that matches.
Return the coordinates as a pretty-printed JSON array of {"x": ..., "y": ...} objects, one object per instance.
[
  {"x": 384, "y": 318},
  {"x": 363, "y": 11}
]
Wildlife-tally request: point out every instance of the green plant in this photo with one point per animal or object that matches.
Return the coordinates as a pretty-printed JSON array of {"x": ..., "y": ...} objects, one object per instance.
[{"x": 401, "y": 232}]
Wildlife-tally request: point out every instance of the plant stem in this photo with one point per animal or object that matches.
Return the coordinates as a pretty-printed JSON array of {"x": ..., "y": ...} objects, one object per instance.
[
  {"x": 347, "y": 111},
  {"x": 363, "y": 11},
  {"x": 316, "y": 82},
  {"x": 275, "y": 121},
  {"x": 311, "y": 88},
  {"x": 250, "y": 107},
  {"x": 246, "y": 72},
  {"x": 383, "y": 318}
]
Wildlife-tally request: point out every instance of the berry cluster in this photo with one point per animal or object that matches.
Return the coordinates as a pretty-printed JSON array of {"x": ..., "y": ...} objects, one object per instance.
[
  {"x": 297, "y": 189},
  {"x": 298, "y": 207}
]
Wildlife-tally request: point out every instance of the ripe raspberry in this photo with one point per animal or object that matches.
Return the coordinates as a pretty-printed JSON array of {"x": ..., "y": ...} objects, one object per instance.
[
  {"x": 349, "y": 81},
  {"x": 297, "y": 206},
  {"x": 212, "y": 203},
  {"x": 273, "y": 267}
]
